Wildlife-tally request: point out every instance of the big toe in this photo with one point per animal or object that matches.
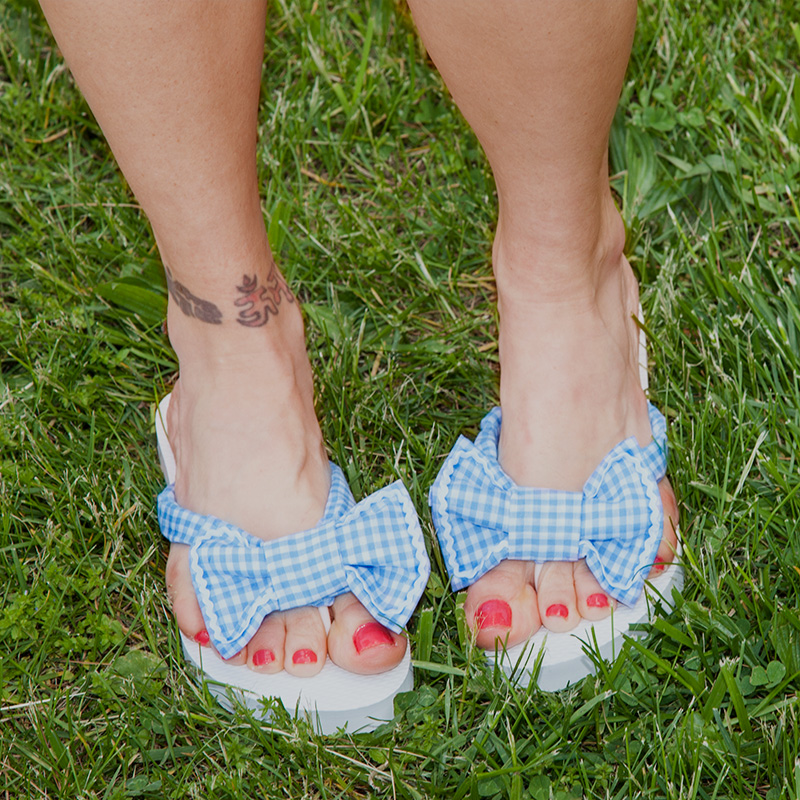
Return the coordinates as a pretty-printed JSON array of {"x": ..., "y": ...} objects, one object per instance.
[
  {"x": 357, "y": 643},
  {"x": 501, "y": 606}
]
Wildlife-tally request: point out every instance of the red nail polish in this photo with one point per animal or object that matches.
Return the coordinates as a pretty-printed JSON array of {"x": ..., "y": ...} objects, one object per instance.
[
  {"x": 557, "y": 610},
  {"x": 659, "y": 564},
  {"x": 371, "y": 634},
  {"x": 597, "y": 601},
  {"x": 262, "y": 657},
  {"x": 304, "y": 656},
  {"x": 202, "y": 638},
  {"x": 493, "y": 614}
]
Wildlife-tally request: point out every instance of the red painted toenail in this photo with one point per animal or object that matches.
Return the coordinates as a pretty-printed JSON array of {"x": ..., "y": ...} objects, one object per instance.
[
  {"x": 371, "y": 634},
  {"x": 493, "y": 614},
  {"x": 659, "y": 563},
  {"x": 202, "y": 638},
  {"x": 304, "y": 656},
  {"x": 262, "y": 657},
  {"x": 557, "y": 610},
  {"x": 597, "y": 601}
]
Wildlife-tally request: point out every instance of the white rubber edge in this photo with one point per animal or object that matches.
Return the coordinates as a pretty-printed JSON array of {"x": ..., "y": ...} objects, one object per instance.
[
  {"x": 332, "y": 699},
  {"x": 561, "y": 658}
]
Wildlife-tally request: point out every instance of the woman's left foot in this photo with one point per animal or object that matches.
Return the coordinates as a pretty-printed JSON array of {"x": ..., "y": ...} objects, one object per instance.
[{"x": 570, "y": 391}]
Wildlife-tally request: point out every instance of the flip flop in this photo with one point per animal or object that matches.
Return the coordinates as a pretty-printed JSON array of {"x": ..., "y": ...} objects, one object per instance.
[
  {"x": 334, "y": 698},
  {"x": 482, "y": 517}
]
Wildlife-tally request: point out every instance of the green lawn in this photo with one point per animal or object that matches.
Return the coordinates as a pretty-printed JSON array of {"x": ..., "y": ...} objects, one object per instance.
[{"x": 379, "y": 204}]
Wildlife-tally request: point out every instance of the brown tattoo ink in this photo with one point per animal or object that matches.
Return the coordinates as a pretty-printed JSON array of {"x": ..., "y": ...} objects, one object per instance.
[
  {"x": 191, "y": 304},
  {"x": 258, "y": 302}
]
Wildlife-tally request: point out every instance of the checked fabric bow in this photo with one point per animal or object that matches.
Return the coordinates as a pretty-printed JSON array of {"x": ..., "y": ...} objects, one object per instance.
[
  {"x": 616, "y": 523},
  {"x": 373, "y": 549}
]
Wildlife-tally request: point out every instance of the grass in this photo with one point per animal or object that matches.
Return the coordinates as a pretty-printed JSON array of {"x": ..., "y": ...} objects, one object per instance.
[{"x": 368, "y": 164}]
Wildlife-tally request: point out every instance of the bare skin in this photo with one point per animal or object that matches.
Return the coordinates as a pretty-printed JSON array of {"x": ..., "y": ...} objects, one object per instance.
[
  {"x": 175, "y": 88},
  {"x": 539, "y": 82}
]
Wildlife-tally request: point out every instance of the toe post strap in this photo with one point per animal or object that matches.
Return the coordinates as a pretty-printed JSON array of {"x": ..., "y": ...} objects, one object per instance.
[
  {"x": 374, "y": 549},
  {"x": 616, "y": 523}
]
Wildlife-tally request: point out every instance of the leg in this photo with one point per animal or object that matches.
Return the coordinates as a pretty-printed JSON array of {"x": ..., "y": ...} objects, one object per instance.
[
  {"x": 175, "y": 88},
  {"x": 538, "y": 82}
]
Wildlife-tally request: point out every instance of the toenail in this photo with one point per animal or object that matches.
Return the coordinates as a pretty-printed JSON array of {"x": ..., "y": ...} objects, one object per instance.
[
  {"x": 659, "y": 563},
  {"x": 371, "y": 634},
  {"x": 494, "y": 614},
  {"x": 557, "y": 610},
  {"x": 202, "y": 638},
  {"x": 304, "y": 656},
  {"x": 262, "y": 657},
  {"x": 597, "y": 601}
]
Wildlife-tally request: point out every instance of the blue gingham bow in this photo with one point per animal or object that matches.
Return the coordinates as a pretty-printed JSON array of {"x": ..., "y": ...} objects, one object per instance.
[
  {"x": 373, "y": 549},
  {"x": 616, "y": 523}
]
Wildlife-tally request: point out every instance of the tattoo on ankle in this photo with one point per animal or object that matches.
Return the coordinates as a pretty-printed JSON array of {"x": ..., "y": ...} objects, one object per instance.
[
  {"x": 191, "y": 304},
  {"x": 258, "y": 302}
]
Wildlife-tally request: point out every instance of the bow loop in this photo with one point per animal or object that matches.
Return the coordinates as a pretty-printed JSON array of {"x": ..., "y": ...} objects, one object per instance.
[
  {"x": 374, "y": 549},
  {"x": 378, "y": 563},
  {"x": 616, "y": 522},
  {"x": 466, "y": 502}
]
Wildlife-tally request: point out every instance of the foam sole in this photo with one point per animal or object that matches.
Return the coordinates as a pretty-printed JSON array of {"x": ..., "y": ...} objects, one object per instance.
[
  {"x": 562, "y": 657},
  {"x": 332, "y": 699}
]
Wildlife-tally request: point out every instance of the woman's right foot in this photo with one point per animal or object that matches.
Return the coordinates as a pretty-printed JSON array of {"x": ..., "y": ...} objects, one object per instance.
[{"x": 249, "y": 450}]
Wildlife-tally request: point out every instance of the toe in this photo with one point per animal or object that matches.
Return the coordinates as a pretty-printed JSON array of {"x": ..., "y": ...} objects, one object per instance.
[
  {"x": 669, "y": 542},
  {"x": 182, "y": 597},
  {"x": 357, "y": 643},
  {"x": 556, "y": 595},
  {"x": 184, "y": 601},
  {"x": 501, "y": 606},
  {"x": 265, "y": 650},
  {"x": 592, "y": 602},
  {"x": 305, "y": 650}
]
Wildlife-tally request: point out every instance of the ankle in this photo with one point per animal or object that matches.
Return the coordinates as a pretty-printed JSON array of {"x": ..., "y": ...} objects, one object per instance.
[
  {"x": 568, "y": 354},
  {"x": 218, "y": 346},
  {"x": 559, "y": 261}
]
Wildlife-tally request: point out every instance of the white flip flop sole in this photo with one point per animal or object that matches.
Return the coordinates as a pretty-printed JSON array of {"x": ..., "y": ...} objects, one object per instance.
[
  {"x": 332, "y": 699},
  {"x": 563, "y": 658},
  {"x": 563, "y": 655}
]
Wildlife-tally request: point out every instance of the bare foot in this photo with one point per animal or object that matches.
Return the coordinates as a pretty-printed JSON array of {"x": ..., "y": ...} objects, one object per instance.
[
  {"x": 249, "y": 450},
  {"x": 570, "y": 392}
]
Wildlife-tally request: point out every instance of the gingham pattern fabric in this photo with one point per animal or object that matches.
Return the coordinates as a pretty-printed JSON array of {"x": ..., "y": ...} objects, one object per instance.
[
  {"x": 616, "y": 523},
  {"x": 374, "y": 549}
]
